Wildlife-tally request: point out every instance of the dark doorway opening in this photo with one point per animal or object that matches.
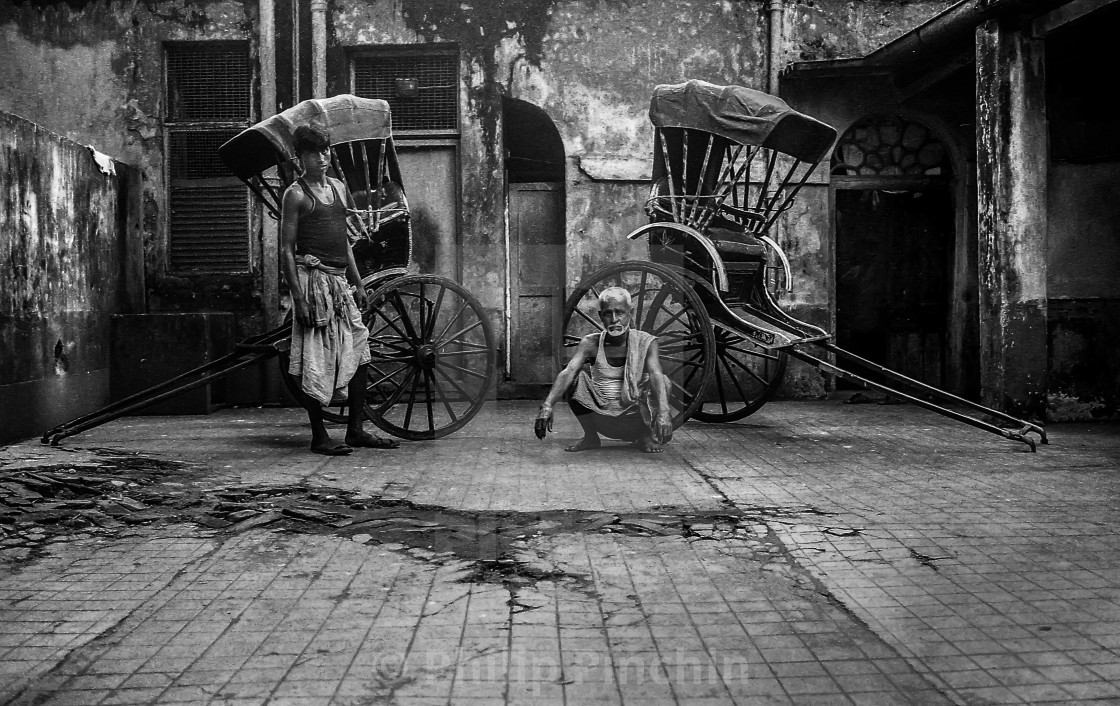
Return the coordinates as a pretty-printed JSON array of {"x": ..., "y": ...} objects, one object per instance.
[
  {"x": 534, "y": 150},
  {"x": 893, "y": 259},
  {"x": 534, "y": 157}
]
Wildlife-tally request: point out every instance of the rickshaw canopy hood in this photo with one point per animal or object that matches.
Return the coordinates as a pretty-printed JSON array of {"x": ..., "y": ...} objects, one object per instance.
[
  {"x": 345, "y": 118},
  {"x": 744, "y": 115}
]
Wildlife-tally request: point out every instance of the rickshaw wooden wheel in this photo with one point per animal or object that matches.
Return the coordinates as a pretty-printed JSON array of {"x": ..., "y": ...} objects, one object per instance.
[
  {"x": 433, "y": 357},
  {"x": 664, "y": 305},
  {"x": 745, "y": 375}
]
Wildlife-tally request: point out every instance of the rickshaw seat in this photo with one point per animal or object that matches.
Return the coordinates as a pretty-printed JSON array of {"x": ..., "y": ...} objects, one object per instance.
[{"x": 737, "y": 244}]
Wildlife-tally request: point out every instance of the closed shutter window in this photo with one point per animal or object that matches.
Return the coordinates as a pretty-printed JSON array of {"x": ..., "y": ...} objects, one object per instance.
[
  {"x": 421, "y": 86},
  {"x": 208, "y": 92}
]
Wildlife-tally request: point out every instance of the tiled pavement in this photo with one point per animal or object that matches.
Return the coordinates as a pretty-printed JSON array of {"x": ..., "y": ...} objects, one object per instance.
[{"x": 881, "y": 555}]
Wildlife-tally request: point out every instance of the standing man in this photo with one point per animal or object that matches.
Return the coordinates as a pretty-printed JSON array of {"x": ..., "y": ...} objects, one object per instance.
[
  {"x": 330, "y": 344},
  {"x": 626, "y": 394}
]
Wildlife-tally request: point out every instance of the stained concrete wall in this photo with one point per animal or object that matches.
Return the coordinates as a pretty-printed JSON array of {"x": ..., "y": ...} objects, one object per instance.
[
  {"x": 93, "y": 71},
  {"x": 591, "y": 66},
  {"x": 1083, "y": 252},
  {"x": 70, "y": 238}
]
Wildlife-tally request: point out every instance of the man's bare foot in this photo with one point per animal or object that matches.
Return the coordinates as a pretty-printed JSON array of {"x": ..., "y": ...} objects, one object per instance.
[
  {"x": 330, "y": 448},
  {"x": 585, "y": 444},
  {"x": 646, "y": 445},
  {"x": 365, "y": 440}
]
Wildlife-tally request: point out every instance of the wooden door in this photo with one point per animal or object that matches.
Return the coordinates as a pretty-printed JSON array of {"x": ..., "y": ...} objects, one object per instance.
[
  {"x": 430, "y": 182},
  {"x": 892, "y": 272},
  {"x": 536, "y": 279}
]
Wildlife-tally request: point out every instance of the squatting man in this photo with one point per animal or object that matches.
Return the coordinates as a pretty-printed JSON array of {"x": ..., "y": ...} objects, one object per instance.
[{"x": 625, "y": 395}]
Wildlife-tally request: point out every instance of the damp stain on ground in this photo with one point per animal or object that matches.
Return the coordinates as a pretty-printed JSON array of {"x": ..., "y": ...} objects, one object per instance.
[{"x": 111, "y": 493}]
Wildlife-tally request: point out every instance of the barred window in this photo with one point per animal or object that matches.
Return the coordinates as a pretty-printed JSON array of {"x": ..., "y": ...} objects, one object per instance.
[
  {"x": 208, "y": 102},
  {"x": 207, "y": 82},
  {"x": 422, "y": 87}
]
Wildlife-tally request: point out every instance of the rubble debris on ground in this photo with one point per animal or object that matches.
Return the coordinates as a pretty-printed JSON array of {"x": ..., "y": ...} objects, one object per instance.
[{"x": 115, "y": 493}]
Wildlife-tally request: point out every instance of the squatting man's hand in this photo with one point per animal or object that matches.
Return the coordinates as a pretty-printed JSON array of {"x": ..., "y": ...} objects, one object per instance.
[
  {"x": 543, "y": 424},
  {"x": 664, "y": 428}
]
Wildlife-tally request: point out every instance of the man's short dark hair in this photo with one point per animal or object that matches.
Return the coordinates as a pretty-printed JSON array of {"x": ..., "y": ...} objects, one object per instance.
[{"x": 309, "y": 138}]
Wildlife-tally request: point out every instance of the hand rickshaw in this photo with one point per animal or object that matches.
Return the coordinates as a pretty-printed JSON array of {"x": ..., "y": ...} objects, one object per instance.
[
  {"x": 432, "y": 346},
  {"x": 727, "y": 163}
]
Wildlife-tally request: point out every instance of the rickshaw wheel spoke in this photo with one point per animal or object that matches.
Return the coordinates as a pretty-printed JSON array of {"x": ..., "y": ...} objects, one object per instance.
[
  {"x": 731, "y": 376},
  {"x": 592, "y": 321},
  {"x": 435, "y": 313},
  {"x": 719, "y": 389},
  {"x": 411, "y": 398},
  {"x": 739, "y": 364},
  {"x": 443, "y": 398},
  {"x": 430, "y": 401},
  {"x": 747, "y": 375},
  {"x": 638, "y": 306}
]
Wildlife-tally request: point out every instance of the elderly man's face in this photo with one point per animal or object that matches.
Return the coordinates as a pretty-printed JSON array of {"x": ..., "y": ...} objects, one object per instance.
[{"x": 616, "y": 316}]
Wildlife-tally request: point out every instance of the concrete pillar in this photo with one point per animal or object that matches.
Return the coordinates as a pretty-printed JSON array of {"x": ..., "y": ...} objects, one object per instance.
[
  {"x": 319, "y": 48},
  {"x": 266, "y": 47},
  {"x": 1012, "y": 156},
  {"x": 270, "y": 232}
]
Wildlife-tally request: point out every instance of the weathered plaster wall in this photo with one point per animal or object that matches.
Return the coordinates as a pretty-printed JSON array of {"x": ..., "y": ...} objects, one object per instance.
[
  {"x": 1083, "y": 251},
  {"x": 93, "y": 71},
  {"x": 843, "y": 30},
  {"x": 67, "y": 234},
  {"x": 804, "y": 232},
  {"x": 591, "y": 66},
  {"x": 1082, "y": 246}
]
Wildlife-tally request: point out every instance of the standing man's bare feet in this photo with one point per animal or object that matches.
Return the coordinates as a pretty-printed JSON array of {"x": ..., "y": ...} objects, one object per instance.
[
  {"x": 585, "y": 444},
  {"x": 365, "y": 440},
  {"x": 329, "y": 447}
]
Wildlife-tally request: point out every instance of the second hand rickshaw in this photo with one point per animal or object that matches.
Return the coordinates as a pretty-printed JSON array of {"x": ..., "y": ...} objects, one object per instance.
[
  {"x": 728, "y": 162},
  {"x": 433, "y": 349}
]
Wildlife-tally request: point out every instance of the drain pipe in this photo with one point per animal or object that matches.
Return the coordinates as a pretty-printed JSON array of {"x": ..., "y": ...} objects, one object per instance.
[
  {"x": 270, "y": 231},
  {"x": 266, "y": 9},
  {"x": 318, "y": 48},
  {"x": 776, "y": 9}
]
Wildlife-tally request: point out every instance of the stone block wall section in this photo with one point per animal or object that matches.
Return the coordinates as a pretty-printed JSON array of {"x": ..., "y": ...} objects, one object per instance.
[{"x": 70, "y": 241}]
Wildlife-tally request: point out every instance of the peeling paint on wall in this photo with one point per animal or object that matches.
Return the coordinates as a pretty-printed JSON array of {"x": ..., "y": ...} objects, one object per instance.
[
  {"x": 93, "y": 72},
  {"x": 64, "y": 239},
  {"x": 589, "y": 64},
  {"x": 820, "y": 30}
]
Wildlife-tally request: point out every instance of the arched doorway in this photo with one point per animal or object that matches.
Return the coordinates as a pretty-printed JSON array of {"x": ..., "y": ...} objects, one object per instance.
[
  {"x": 534, "y": 159},
  {"x": 896, "y": 233}
]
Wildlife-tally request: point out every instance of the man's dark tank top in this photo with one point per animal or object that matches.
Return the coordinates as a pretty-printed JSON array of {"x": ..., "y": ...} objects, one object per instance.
[{"x": 322, "y": 232}]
